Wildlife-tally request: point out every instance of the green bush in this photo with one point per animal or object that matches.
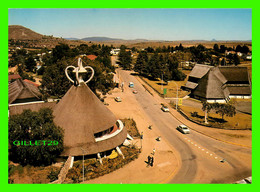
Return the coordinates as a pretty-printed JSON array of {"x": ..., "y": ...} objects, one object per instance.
[{"x": 53, "y": 175}]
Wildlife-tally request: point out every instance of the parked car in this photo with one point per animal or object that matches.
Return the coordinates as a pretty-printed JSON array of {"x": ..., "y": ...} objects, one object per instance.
[
  {"x": 165, "y": 108},
  {"x": 183, "y": 129},
  {"x": 135, "y": 92},
  {"x": 131, "y": 84},
  {"x": 118, "y": 99}
]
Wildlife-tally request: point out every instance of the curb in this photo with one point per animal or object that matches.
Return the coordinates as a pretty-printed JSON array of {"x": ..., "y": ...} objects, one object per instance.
[
  {"x": 246, "y": 146},
  {"x": 211, "y": 136}
]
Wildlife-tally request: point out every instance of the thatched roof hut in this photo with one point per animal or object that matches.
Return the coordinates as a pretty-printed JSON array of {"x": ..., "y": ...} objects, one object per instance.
[
  {"x": 85, "y": 119},
  {"x": 89, "y": 126},
  {"x": 211, "y": 86},
  {"x": 218, "y": 83}
]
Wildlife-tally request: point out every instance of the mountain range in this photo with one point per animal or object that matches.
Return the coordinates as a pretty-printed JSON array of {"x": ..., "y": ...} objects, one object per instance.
[{"x": 19, "y": 32}]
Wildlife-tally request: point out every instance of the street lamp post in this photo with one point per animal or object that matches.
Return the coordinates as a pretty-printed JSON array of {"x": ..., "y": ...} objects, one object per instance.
[
  {"x": 162, "y": 82},
  {"x": 177, "y": 100}
]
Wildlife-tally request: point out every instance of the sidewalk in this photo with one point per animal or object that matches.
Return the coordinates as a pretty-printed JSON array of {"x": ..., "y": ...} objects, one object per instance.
[
  {"x": 236, "y": 137},
  {"x": 166, "y": 159}
]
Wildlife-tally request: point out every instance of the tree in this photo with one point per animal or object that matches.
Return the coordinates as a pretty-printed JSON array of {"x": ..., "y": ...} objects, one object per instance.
[
  {"x": 60, "y": 51},
  {"x": 141, "y": 63},
  {"x": 153, "y": 66},
  {"x": 225, "y": 109},
  {"x": 30, "y": 64},
  {"x": 180, "y": 47},
  {"x": 54, "y": 80},
  {"x": 207, "y": 108},
  {"x": 216, "y": 48},
  {"x": 238, "y": 48},
  {"x": 245, "y": 49},
  {"x": 223, "y": 62},
  {"x": 34, "y": 126},
  {"x": 222, "y": 48},
  {"x": 173, "y": 64},
  {"x": 236, "y": 59},
  {"x": 125, "y": 58}
]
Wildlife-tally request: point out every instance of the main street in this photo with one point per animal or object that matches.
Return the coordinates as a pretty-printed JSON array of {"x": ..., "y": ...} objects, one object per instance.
[{"x": 200, "y": 155}]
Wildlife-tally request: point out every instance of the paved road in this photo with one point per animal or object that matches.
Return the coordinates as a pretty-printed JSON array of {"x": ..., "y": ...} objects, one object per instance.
[{"x": 193, "y": 159}]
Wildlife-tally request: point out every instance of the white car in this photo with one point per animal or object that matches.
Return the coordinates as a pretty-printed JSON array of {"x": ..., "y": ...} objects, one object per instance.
[
  {"x": 118, "y": 99},
  {"x": 184, "y": 129},
  {"x": 165, "y": 109}
]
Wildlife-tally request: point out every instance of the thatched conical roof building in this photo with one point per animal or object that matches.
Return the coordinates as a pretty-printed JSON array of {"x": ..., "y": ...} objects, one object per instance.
[{"x": 89, "y": 126}]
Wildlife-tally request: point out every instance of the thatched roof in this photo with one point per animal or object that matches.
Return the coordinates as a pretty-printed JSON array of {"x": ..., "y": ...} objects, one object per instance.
[
  {"x": 211, "y": 86},
  {"x": 199, "y": 70},
  {"x": 191, "y": 85},
  {"x": 235, "y": 74},
  {"x": 18, "y": 109},
  {"x": 21, "y": 90},
  {"x": 81, "y": 114},
  {"x": 239, "y": 90},
  {"x": 218, "y": 82}
]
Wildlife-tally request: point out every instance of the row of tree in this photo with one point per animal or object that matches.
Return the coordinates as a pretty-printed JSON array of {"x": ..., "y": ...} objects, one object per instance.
[
  {"x": 222, "y": 48},
  {"x": 158, "y": 66},
  {"x": 217, "y": 48}
]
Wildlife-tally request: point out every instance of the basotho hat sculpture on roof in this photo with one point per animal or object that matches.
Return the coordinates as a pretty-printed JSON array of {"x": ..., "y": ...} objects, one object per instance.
[{"x": 89, "y": 126}]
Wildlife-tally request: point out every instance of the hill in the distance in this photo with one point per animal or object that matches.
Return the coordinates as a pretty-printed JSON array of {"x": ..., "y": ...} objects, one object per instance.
[
  {"x": 22, "y": 33},
  {"x": 18, "y": 32},
  {"x": 100, "y": 39}
]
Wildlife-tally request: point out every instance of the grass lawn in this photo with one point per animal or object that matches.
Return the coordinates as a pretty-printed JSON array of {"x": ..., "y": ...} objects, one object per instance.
[
  {"x": 239, "y": 121},
  {"x": 171, "y": 87}
]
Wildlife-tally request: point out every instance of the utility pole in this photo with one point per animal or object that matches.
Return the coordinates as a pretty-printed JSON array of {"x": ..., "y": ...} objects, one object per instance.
[
  {"x": 177, "y": 100},
  {"x": 162, "y": 81}
]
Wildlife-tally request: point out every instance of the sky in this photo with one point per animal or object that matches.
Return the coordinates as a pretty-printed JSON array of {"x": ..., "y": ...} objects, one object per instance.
[{"x": 151, "y": 24}]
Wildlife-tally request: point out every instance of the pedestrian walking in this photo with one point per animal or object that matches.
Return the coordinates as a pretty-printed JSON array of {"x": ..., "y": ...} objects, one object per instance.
[
  {"x": 151, "y": 161},
  {"x": 153, "y": 151}
]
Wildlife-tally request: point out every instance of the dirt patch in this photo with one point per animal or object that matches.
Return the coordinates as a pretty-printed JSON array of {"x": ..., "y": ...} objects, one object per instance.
[{"x": 19, "y": 174}]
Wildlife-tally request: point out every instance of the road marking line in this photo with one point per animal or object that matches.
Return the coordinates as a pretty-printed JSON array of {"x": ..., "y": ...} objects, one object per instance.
[
  {"x": 211, "y": 154},
  {"x": 195, "y": 144},
  {"x": 192, "y": 143},
  {"x": 216, "y": 157},
  {"x": 199, "y": 147},
  {"x": 207, "y": 152},
  {"x": 163, "y": 164},
  {"x": 202, "y": 149}
]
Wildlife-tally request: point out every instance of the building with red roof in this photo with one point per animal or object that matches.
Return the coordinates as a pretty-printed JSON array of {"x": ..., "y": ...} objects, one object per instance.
[{"x": 91, "y": 57}]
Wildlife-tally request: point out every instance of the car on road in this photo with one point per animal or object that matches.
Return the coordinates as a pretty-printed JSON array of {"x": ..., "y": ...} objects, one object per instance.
[
  {"x": 165, "y": 108},
  {"x": 131, "y": 84},
  {"x": 118, "y": 99},
  {"x": 134, "y": 92},
  {"x": 183, "y": 129}
]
